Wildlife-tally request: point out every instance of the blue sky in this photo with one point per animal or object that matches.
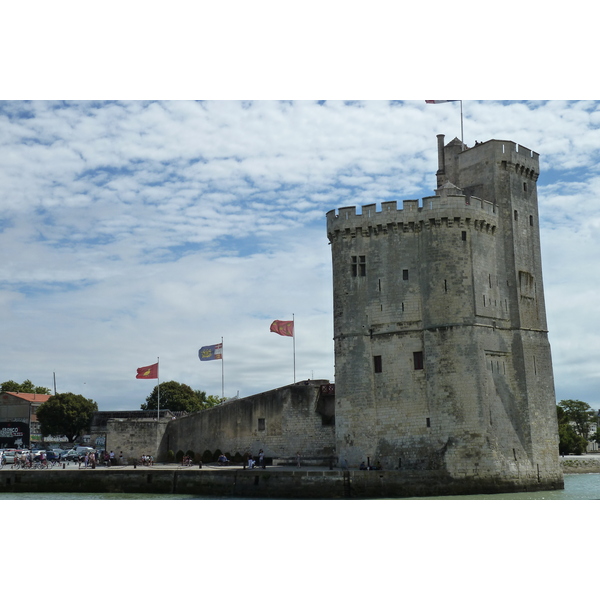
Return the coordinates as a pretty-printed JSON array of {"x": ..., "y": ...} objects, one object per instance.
[{"x": 133, "y": 230}]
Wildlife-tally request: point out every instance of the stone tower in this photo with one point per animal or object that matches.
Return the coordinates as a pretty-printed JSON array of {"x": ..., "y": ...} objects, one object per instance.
[{"x": 441, "y": 348}]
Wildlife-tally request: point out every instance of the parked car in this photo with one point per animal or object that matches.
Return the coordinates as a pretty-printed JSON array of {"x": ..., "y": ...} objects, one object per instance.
[
  {"x": 70, "y": 455},
  {"x": 9, "y": 455}
]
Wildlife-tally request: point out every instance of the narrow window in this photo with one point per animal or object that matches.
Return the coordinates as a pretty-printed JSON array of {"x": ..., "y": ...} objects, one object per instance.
[
  {"x": 445, "y": 286},
  {"x": 418, "y": 360},
  {"x": 261, "y": 425},
  {"x": 405, "y": 274},
  {"x": 428, "y": 422},
  {"x": 362, "y": 265},
  {"x": 524, "y": 186},
  {"x": 354, "y": 266},
  {"x": 377, "y": 365},
  {"x": 516, "y": 215},
  {"x": 464, "y": 236},
  {"x": 531, "y": 220}
]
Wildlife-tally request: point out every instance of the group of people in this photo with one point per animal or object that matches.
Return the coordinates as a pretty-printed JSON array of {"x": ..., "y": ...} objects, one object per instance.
[
  {"x": 91, "y": 459},
  {"x": 26, "y": 459},
  {"x": 261, "y": 460}
]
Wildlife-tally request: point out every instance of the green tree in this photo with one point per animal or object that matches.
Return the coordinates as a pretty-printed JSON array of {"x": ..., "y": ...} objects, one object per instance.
[
  {"x": 177, "y": 397},
  {"x": 569, "y": 442},
  {"x": 213, "y": 401},
  {"x": 580, "y": 415},
  {"x": 25, "y": 388},
  {"x": 66, "y": 414}
]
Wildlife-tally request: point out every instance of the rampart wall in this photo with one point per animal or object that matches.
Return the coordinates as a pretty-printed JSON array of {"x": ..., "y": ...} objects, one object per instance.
[
  {"x": 281, "y": 422},
  {"x": 135, "y": 437}
]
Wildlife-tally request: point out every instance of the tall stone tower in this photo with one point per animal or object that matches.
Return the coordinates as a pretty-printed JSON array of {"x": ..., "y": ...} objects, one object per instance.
[{"x": 441, "y": 348}]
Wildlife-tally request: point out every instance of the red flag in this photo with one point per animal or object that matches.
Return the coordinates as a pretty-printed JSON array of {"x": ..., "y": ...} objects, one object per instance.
[
  {"x": 283, "y": 328},
  {"x": 150, "y": 372},
  {"x": 438, "y": 101}
]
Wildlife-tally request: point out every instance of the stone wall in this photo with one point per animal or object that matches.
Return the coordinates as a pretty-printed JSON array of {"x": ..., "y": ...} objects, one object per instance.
[
  {"x": 281, "y": 422},
  {"x": 328, "y": 484},
  {"x": 135, "y": 437}
]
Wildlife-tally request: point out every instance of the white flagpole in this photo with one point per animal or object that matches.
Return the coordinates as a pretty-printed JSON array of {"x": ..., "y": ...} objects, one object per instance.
[
  {"x": 222, "y": 371},
  {"x": 294, "y": 343},
  {"x": 462, "y": 136},
  {"x": 158, "y": 388}
]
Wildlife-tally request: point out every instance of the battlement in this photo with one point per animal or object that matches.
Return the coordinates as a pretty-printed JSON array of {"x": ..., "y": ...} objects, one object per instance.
[
  {"x": 449, "y": 206},
  {"x": 509, "y": 154}
]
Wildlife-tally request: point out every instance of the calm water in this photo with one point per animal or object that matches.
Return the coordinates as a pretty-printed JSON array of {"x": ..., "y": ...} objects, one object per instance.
[
  {"x": 584, "y": 486},
  {"x": 580, "y": 486}
]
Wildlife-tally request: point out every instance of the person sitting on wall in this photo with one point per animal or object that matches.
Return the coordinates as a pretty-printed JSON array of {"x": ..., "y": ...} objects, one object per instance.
[
  {"x": 363, "y": 467},
  {"x": 222, "y": 460}
]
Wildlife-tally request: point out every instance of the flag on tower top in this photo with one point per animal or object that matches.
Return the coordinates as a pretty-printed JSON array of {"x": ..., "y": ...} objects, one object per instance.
[
  {"x": 283, "y": 328},
  {"x": 150, "y": 372},
  {"x": 439, "y": 101}
]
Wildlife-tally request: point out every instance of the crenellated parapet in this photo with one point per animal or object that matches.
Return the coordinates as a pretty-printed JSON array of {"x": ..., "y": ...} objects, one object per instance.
[{"x": 449, "y": 208}]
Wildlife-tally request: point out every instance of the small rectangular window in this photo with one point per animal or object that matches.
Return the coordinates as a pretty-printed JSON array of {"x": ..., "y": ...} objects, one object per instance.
[
  {"x": 428, "y": 422},
  {"x": 516, "y": 215},
  {"x": 418, "y": 360},
  {"x": 405, "y": 274},
  {"x": 261, "y": 425},
  {"x": 464, "y": 236},
  {"x": 531, "y": 220},
  {"x": 354, "y": 266},
  {"x": 362, "y": 263},
  {"x": 377, "y": 364}
]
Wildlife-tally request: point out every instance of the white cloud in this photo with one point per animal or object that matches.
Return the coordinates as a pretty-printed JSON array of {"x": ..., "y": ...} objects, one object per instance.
[{"x": 133, "y": 230}]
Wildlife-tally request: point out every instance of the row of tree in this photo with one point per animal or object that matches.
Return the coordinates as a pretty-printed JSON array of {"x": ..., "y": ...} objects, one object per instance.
[{"x": 70, "y": 415}]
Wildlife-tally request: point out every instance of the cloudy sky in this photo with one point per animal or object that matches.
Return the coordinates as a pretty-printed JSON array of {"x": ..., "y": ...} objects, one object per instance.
[{"x": 132, "y": 230}]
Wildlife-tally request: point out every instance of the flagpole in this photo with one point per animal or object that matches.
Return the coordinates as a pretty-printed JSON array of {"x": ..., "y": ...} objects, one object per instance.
[
  {"x": 462, "y": 136},
  {"x": 158, "y": 388},
  {"x": 222, "y": 371},
  {"x": 294, "y": 344}
]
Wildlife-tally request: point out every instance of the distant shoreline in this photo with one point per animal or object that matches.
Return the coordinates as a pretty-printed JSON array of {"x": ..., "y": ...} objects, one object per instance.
[{"x": 586, "y": 463}]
